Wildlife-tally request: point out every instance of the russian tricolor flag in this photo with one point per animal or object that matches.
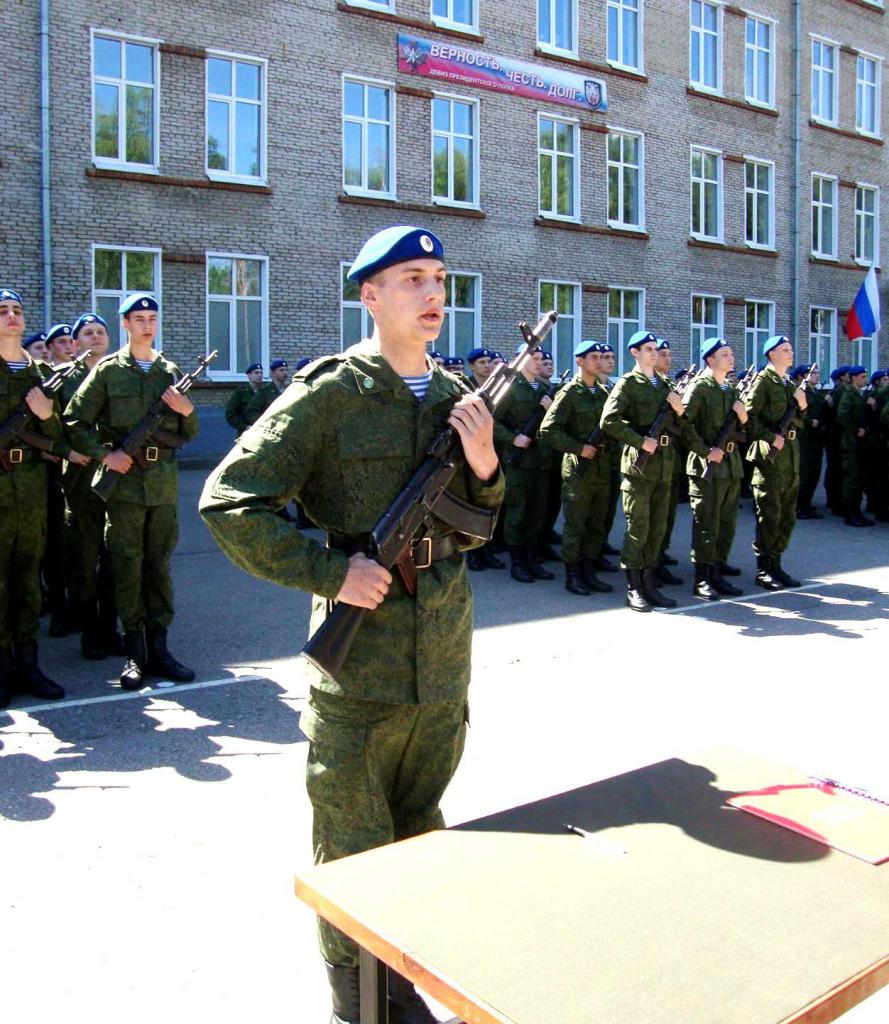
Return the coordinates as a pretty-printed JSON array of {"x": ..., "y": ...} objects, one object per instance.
[{"x": 864, "y": 316}]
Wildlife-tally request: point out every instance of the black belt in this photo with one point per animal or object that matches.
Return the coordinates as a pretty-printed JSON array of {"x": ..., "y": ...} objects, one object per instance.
[
  {"x": 12, "y": 457},
  {"x": 424, "y": 552}
]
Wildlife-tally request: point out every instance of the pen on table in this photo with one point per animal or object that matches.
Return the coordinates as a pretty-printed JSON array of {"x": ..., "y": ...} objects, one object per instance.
[{"x": 591, "y": 837}]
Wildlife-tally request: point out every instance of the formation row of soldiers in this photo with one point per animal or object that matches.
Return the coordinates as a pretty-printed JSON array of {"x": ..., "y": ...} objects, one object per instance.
[{"x": 104, "y": 560}]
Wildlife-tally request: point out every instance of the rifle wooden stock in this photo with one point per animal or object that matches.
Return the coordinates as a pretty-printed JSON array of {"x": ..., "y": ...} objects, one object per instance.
[
  {"x": 791, "y": 415},
  {"x": 664, "y": 422}
]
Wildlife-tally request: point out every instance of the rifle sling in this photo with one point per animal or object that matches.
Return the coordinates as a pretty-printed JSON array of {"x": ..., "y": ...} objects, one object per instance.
[{"x": 420, "y": 555}]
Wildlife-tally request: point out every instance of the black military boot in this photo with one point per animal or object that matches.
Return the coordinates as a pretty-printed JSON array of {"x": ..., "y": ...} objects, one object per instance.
[
  {"x": 588, "y": 574},
  {"x": 345, "y": 989},
  {"x": 535, "y": 567},
  {"x": 668, "y": 559},
  {"x": 406, "y": 1006},
  {"x": 663, "y": 575},
  {"x": 654, "y": 597},
  {"x": 6, "y": 676},
  {"x": 574, "y": 583},
  {"x": 782, "y": 577},
  {"x": 721, "y": 585},
  {"x": 474, "y": 561},
  {"x": 30, "y": 678},
  {"x": 636, "y": 598},
  {"x": 603, "y": 564},
  {"x": 91, "y": 646},
  {"x": 489, "y": 558},
  {"x": 112, "y": 641},
  {"x": 132, "y": 677},
  {"x": 704, "y": 582},
  {"x": 160, "y": 661},
  {"x": 58, "y": 621},
  {"x": 765, "y": 575},
  {"x": 728, "y": 570},
  {"x": 519, "y": 569}
]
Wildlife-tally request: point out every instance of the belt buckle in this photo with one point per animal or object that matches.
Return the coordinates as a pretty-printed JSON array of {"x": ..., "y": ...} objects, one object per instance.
[
  {"x": 16, "y": 456},
  {"x": 428, "y": 553},
  {"x": 730, "y": 447},
  {"x": 664, "y": 440},
  {"x": 151, "y": 453},
  {"x": 791, "y": 435}
]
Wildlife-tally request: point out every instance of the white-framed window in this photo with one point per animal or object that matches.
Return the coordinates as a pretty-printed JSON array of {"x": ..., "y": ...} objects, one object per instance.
[
  {"x": 368, "y": 137},
  {"x": 624, "y": 32},
  {"x": 373, "y": 5},
  {"x": 759, "y": 326},
  {"x": 864, "y": 353},
  {"x": 126, "y": 101},
  {"x": 236, "y": 118},
  {"x": 705, "y": 50},
  {"x": 825, "y": 80},
  {"x": 706, "y": 193},
  {"x": 824, "y": 216},
  {"x": 759, "y": 204},
  {"x": 455, "y": 151},
  {"x": 564, "y": 298},
  {"x": 626, "y": 179},
  {"x": 459, "y": 14},
  {"x": 867, "y": 225},
  {"x": 759, "y": 61},
  {"x": 462, "y": 328},
  {"x": 356, "y": 323},
  {"x": 867, "y": 95},
  {"x": 118, "y": 271},
  {"x": 558, "y": 163},
  {"x": 706, "y": 322},
  {"x": 237, "y": 312},
  {"x": 823, "y": 339},
  {"x": 625, "y": 316},
  {"x": 557, "y": 26}
]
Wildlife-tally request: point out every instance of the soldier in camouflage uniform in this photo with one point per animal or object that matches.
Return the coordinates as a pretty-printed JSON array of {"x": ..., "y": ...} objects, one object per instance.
[
  {"x": 569, "y": 421},
  {"x": 853, "y": 436},
  {"x": 22, "y": 508},
  {"x": 267, "y": 393},
  {"x": 236, "y": 408},
  {"x": 386, "y": 735},
  {"x": 833, "y": 456},
  {"x": 664, "y": 575},
  {"x": 879, "y": 426},
  {"x": 811, "y": 444},
  {"x": 775, "y": 481},
  {"x": 614, "y": 450},
  {"x": 142, "y": 526}
]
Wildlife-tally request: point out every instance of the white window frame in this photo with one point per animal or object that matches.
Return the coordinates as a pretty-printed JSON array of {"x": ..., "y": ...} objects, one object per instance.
[
  {"x": 367, "y": 322},
  {"x": 819, "y": 70},
  {"x": 834, "y": 220},
  {"x": 450, "y": 321},
  {"x": 574, "y": 124},
  {"x": 619, "y": 6},
  {"x": 448, "y": 22},
  {"x": 770, "y": 164},
  {"x": 213, "y": 173},
  {"x": 471, "y": 101},
  {"x": 750, "y": 95},
  {"x": 373, "y": 5},
  {"x": 751, "y": 354},
  {"x": 695, "y": 353},
  {"x": 816, "y": 339},
  {"x": 620, "y": 350},
  {"x": 864, "y": 352},
  {"x": 263, "y": 299},
  {"x": 552, "y": 47},
  {"x": 715, "y": 90},
  {"x": 640, "y": 225},
  {"x": 360, "y": 190},
  {"x": 121, "y": 293},
  {"x": 121, "y": 163},
  {"x": 707, "y": 150},
  {"x": 553, "y": 345},
  {"x": 877, "y": 86},
  {"x": 859, "y": 221}
]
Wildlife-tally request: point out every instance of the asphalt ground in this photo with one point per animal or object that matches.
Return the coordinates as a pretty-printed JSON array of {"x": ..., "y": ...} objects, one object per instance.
[{"x": 148, "y": 841}]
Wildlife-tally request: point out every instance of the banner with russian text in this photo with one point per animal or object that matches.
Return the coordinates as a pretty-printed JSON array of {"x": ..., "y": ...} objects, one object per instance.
[{"x": 459, "y": 65}]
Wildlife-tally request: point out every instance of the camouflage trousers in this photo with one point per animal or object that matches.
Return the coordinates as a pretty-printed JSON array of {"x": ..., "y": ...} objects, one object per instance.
[
  {"x": 647, "y": 507},
  {"x": 774, "y": 497},
  {"x": 22, "y": 540},
  {"x": 585, "y": 501},
  {"x": 811, "y": 455},
  {"x": 140, "y": 542},
  {"x": 524, "y": 507},
  {"x": 852, "y": 487},
  {"x": 714, "y": 507},
  {"x": 375, "y": 774},
  {"x": 614, "y": 491},
  {"x": 675, "y": 482},
  {"x": 89, "y": 563},
  {"x": 56, "y": 564}
]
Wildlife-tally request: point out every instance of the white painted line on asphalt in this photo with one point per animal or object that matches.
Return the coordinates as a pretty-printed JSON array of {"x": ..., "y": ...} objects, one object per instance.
[
  {"x": 148, "y": 691},
  {"x": 703, "y": 605}
]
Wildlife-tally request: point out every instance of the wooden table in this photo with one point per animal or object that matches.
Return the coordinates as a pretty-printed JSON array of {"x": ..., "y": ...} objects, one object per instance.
[{"x": 679, "y": 911}]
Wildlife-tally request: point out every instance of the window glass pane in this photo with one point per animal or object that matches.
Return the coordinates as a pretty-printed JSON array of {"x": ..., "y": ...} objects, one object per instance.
[
  {"x": 219, "y": 331},
  {"x": 462, "y": 170},
  {"x": 565, "y": 138},
  {"x": 441, "y": 115},
  {"x": 613, "y": 47},
  {"x": 613, "y": 193},
  {"x": 462, "y": 118},
  {"x": 107, "y": 122},
  {"x": 440, "y": 167},
  {"x": 547, "y": 133},
  {"x": 140, "y": 63},
  {"x": 352, "y": 153},
  {"x": 564, "y": 28},
  {"x": 440, "y": 8},
  {"x": 247, "y": 129},
  {"x": 140, "y": 271},
  {"x": 108, "y": 270},
  {"x": 140, "y": 117},
  {"x": 106, "y": 53},
  {"x": 217, "y": 136},
  {"x": 462, "y": 11},
  {"x": 631, "y": 197},
  {"x": 630, "y": 50},
  {"x": 351, "y": 291},
  {"x": 219, "y": 276},
  {"x": 565, "y": 171},
  {"x": 543, "y": 33},
  {"x": 464, "y": 291},
  {"x": 547, "y": 296},
  {"x": 107, "y": 307},
  {"x": 378, "y": 103},
  {"x": 248, "y": 81},
  {"x": 378, "y": 157},
  {"x": 351, "y": 325},
  {"x": 219, "y": 76},
  {"x": 464, "y": 332},
  {"x": 249, "y": 333},
  {"x": 249, "y": 277},
  {"x": 353, "y": 99},
  {"x": 565, "y": 299}
]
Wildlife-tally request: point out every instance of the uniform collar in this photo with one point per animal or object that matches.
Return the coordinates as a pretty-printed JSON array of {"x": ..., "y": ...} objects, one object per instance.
[
  {"x": 373, "y": 375},
  {"x": 126, "y": 358},
  {"x": 639, "y": 375}
]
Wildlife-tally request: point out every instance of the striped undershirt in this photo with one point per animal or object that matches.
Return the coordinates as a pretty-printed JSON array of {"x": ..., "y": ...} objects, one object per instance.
[
  {"x": 144, "y": 364},
  {"x": 15, "y": 365},
  {"x": 419, "y": 385}
]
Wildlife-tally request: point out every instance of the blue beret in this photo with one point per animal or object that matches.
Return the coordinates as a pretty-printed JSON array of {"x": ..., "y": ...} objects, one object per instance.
[
  {"x": 252, "y": 367},
  {"x": 303, "y": 362},
  {"x": 29, "y": 341},
  {"x": 605, "y": 347},
  {"x": 638, "y": 339},
  {"x": 140, "y": 302},
  {"x": 878, "y": 375},
  {"x": 801, "y": 370},
  {"x": 712, "y": 345},
  {"x": 855, "y": 370},
  {"x": 546, "y": 355},
  {"x": 436, "y": 355},
  {"x": 58, "y": 331},
  {"x": 497, "y": 355},
  {"x": 582, "y": 347},
  {"x": 453, "y": 361},
  {"x": 478, "y": 353},
  {"x": 774, "y": 342},
  {"x": 663, "y": 345},
  {"x": 395, "y": 245},
  {"x": 84, "y": 319},
  {"x": 8, "y": 295},
  {"x": 276, "y": 364},
  {"x": 838, "y": 372}
]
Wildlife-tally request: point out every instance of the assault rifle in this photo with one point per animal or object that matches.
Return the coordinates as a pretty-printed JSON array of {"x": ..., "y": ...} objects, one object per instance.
[
  {"x": 149, "y": 429},
  {"x": 790, "y": 421},
  {"x": 410, "y": 519},
  {"x": 532, "y": 425},
  {"x": 731, "y": 432},
  {"x": 665, "y": 421},
  {"x": 15, "y": 428}
]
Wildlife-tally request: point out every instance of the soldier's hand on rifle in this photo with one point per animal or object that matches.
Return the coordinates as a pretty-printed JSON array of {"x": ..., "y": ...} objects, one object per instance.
[
  {"x": 739, "y": 410},
  {"x": 800, "y": 396},
  {"x": 78, "y": 459},
  {"x": 778, "y": 443},
  {"x": 521, "y": 441},
  {"x": 588, "y": 451},
  {"x": 649, "y": 445},
  {"x": 872, "y": 402},
  {"x": 474, "y": 424},
  {"x": 39, "y": 404},
  {"x": 715, "y": 455},
  {"x": 178, "y": 402},
  {"x": 546, "y": 401},
  {"x": 366, "y": 583},
  {"x": 118, "y": 461},
  {"x": 676, "y": 403},
  {"x": 860, "y": 432}
]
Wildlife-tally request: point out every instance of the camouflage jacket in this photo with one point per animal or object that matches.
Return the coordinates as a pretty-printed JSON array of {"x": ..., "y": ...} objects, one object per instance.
[
  {"x": 629, "y": 412},
  {"x": 344, "y": 440},
  {"x": 767, "y": 400},
  {"x": 116, "y": 395},
  {"x": 851, "y": 418},
  {"x": 257, "y": 404},
  {"x": 707, "y": 406},
  {"x": 575, "y": 413},
  {"x": 236, "y": 409},
  {"x": 520, "y": 404}
]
